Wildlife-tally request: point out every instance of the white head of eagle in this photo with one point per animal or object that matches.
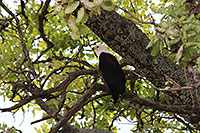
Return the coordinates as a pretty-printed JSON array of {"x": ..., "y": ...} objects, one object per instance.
[{"x": 110, "y": 71}]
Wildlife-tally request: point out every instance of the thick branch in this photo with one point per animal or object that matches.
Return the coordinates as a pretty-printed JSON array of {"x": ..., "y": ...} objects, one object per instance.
[{"x": 20, "y": 104}]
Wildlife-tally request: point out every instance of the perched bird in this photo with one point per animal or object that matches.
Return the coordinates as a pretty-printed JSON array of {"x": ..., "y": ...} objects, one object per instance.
[{"x": 110, "y": 71}]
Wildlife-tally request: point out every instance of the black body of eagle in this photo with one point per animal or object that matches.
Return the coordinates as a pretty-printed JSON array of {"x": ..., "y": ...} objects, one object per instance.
[{"x": 110, "y": 71}]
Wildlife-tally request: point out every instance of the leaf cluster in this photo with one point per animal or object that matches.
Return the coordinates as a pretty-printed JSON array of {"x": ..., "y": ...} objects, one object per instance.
[
  {"x": 178, "y": 33},
  {"x": 76, "y": 12}
]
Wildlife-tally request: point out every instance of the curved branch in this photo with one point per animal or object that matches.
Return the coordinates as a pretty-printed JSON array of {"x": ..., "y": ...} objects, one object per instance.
[
  {"x": 67, "y": 127},
  {"x": 20, "y": 104}
]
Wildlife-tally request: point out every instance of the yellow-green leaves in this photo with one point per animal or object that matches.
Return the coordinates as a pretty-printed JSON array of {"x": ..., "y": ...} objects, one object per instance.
[
  {"x": 198, "y": 64},
  {"x": 75, "y": 13},
  {"x": 71, "y": 7},
  {"x": 81, "y": 14},
  {"x": 85, "y": 18},
  {"x": 72, "y": 25},
  {"x": 156, "y": 48},
  {"x": 77, "y": 27},
  {"x": 84, "y": 30},
  {"x": 89, "y": 5},
  {"x": 178, "y": 34},
  {"x": 75, "y": 35},
  {"x": 179, "y": 53}
]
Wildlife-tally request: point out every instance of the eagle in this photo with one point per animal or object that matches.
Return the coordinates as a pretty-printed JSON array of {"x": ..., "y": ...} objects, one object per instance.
[{"x": 111, "y": 72}]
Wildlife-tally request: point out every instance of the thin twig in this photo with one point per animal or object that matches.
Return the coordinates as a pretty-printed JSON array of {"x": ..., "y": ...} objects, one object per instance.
[
  {"x": 133, "y": 106},
  {"x": 166, "y": 89},
  {"x": 177, "y": 89},
  {"x": 170, "y": 79},
  {"x": 43, "y": 119},
  {"x": 140, "y": 21},
  {"x": 186, "y": 124},
  {"x": 119, "y": 112}
]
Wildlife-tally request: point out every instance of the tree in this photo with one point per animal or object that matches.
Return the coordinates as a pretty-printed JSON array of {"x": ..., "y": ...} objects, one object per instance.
[{"x": 47, "y": 62}]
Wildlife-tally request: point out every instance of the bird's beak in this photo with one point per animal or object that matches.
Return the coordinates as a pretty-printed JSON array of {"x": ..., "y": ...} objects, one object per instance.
[{"x": 95, "y": 48}]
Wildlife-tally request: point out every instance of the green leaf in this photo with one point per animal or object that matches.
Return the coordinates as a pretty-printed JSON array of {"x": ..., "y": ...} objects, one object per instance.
[
  {"x": 166, "y": 88},
  {"x": 182, "y": 18},
  {"x": 179, "y": 53},
  {"x": 172, "y": 41},
  {"x": 85, "y": 18},
  {"x": 90, "y": 56},
  {"x": 71, "y": 7},
  {"x": 72, "y": 24},
  {"x": 191, "y": 44},
  {"x": 156, "y": 48},
  {"x": 172, "y": 32},
  {"x": 192, "y": 34},
  {"x": 89, "y": 5},
  {"x": 151, "y": 43},
  {"x": 84, "y": 30},
  {"x": 187, "y": 54},
  {"x": 75, "y": 35},
  {"x": 107, "y": 5},
  {"x": 81, "y": 13},
  {"x": 164, "y": 24},
  {"x": 184, "y": 34}
]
